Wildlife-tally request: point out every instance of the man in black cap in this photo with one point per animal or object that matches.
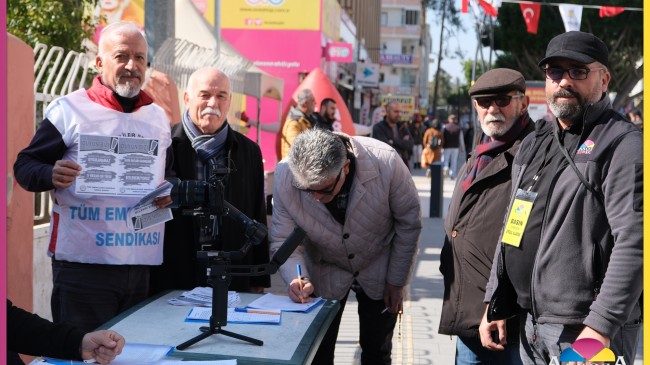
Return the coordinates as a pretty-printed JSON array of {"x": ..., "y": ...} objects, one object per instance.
[
  {"x": 475, "y": 216},
  {"x": 573, "y": 238}
]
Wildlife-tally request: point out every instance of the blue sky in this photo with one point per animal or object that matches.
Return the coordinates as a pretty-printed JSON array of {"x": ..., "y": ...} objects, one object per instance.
[{"x": 463, "y": 40}]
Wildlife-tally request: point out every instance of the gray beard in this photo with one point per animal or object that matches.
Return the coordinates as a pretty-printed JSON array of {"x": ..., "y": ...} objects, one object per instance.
[
  {"x": 126, "y": 91},
  {"x": 566, "y": 111}
]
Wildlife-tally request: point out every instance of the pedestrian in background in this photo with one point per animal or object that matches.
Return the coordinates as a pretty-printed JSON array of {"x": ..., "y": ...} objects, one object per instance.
[
  {"x": 432, "y": 146},
  {"x": 416, "y": 128},
  {"x": 453, "y": 145},
  {"x": 394, "y": 132},
  {"x": 300, "y": 118}
]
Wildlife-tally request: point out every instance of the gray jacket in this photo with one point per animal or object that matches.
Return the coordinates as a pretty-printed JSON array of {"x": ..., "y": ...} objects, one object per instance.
[
  {"x": 378, "y": 242},
  {"x": 584, "y": 240}
]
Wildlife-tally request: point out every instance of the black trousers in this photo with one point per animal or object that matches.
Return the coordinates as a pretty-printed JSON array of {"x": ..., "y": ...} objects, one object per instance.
[
  {"x": 375, "y": 332},
  {"x": 89, "y": 295}
]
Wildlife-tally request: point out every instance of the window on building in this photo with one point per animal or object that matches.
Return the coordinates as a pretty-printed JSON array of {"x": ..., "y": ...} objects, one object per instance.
[
  {"x": 384, "y": 19},
  {"x": 411, "y": 17},
  {"x": 381, "y": 77}
]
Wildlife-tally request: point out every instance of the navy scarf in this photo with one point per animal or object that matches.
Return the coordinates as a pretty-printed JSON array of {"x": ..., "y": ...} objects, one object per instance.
[{"x": 205, "y": 145}]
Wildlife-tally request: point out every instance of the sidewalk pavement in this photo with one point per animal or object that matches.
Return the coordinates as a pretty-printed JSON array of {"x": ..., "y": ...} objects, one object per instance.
[{"x": 416, "y": 340}]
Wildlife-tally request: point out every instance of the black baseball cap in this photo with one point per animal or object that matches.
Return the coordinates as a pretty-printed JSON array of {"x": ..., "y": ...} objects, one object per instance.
[{"x": 577, "y": 46}]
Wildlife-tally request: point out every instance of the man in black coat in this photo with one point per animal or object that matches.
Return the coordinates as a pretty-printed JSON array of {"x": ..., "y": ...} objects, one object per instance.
[
  {"x": 394, "y": 132},
  {"x": 206, "y": 147},
  {"x": 473, "y": 223}
]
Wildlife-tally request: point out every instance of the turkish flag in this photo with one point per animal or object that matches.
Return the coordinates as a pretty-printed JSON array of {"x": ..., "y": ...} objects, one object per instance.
[
  {"x": 464, "y": 6},
  {"x": 530, "y": 11},
  {"x": 489, "y": 9},
  {"x": 606, "y": 11}
]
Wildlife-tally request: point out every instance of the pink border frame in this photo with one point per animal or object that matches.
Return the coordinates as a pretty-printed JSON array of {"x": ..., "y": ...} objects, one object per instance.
[{"x": 3, "y": 180}]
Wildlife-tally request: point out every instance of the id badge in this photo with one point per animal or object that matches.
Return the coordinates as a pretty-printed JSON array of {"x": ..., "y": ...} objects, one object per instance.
[{"x": 518, "y": 217}]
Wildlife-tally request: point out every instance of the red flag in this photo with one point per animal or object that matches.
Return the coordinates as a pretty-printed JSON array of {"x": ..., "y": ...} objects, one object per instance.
[
  {"x": 489, "y": 9},
  {"x": 464, "y": 6},
  {"x": 530, "y": 11},
  {"x": 606, "y": 11}
]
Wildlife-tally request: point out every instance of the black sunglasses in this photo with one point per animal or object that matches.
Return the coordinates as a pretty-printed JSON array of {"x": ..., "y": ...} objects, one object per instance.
[
  {"x": 556, "y": 73},
  {"x": 501, "y": 101},
  {"x": 327, "y": 191}
]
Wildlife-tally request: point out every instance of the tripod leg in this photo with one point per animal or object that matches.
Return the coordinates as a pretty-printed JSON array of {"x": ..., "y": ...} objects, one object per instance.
[
  {"x": 194, "y": 340},
  {"x": 240, "y": 337}
]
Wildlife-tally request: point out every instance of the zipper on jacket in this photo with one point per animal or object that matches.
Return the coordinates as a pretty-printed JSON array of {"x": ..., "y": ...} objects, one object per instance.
[{"x": 541, "y": 234}]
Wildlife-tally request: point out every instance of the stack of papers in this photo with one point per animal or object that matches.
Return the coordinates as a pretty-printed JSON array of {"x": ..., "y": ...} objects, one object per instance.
[
  {"x": 202, "y": 297},
  {"x": 202, "y": 314},
  {"x": 272, "y": 302}
]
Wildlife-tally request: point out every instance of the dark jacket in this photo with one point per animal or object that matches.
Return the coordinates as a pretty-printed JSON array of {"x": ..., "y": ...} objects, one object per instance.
[
  {"x": 383, "y": 132},
  {"x": 244, "y": 190},
  {"x": 30, "y": 334},
  {"x": 582, "y": 238},
  {"x": 472, "y": 230}
]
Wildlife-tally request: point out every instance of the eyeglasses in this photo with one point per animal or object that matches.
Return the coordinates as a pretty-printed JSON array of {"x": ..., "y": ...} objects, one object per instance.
[
  {"x": 327, "y": 191},
  {"x": 501, "y": 101},
  {"x": 556, "y": 73}
]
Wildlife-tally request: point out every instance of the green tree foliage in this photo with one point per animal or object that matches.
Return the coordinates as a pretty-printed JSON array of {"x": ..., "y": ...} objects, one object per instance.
[
  {"x": 623, "y": 35},
  {"x": 63, "y": 23}
]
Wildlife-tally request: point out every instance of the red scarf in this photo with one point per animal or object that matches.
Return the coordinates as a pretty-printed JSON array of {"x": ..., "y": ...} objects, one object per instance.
[
  {"x": 485, "y": 152},
  {"x": 101, "y": 94}
]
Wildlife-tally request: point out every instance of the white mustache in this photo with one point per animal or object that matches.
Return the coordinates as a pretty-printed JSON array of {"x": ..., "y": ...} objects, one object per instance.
[
  {"x": 131, "y": 74},
  {"x": 494, "y": 118},
  {"x": 211, "y": 111}
]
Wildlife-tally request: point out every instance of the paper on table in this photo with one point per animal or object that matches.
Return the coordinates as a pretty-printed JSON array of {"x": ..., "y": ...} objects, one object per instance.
[
  {"x": 132, "y": 354},
  {"x": 202, "y": 296},
  {"x": 284, "y": 303},
  {"x": 203, "y": 314}
]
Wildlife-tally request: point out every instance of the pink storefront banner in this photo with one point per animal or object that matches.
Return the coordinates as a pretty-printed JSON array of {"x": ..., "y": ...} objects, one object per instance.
[
  {"x": 282, "y": 53},
  {"x": 338, "y": 52}
]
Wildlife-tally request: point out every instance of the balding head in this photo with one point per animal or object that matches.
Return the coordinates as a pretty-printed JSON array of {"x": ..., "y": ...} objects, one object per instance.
[
  {"x": 392, "y": 113},
  {"x": 122, "y": 58},
  {"x": 207, "y": 99},
  {"x": 306, "y": 101}
]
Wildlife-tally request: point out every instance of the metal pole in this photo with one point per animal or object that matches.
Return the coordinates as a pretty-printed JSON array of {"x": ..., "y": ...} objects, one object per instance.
[
  {"x": 217, "y": 27},
  {"x": 442, "y": 33}
]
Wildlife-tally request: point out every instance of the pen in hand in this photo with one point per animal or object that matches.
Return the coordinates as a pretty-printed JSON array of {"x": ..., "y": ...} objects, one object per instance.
[{"x": 299, "y": 270}]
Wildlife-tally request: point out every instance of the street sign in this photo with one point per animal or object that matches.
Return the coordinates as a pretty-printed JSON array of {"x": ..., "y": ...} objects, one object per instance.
[{"x": 367, "y": 74}]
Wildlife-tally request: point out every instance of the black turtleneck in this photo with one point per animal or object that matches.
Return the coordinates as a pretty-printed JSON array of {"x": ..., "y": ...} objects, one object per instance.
[{"x": 128, "y": 104}]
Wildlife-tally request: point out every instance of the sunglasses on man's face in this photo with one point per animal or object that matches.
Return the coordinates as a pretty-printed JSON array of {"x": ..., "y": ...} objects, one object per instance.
[
  {"x": 501, "y": 101},
  {"x": 577, "y": 73}
]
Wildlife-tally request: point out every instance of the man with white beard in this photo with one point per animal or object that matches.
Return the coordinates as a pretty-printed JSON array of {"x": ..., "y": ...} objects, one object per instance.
[
  {"x": 94, "y": 277},
  {"x": 205, "y": 147},
  {"x": 475, "y": 216}
]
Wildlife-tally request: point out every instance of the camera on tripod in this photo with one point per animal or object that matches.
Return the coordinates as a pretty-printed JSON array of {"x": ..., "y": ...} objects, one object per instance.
[
  {"x": 205, "y": 199},
  {"x": 198, "y": 195}
]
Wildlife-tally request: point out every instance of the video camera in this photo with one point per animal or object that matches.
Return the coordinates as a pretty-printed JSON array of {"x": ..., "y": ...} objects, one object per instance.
[
  {"x": 204, "y": 196},
  {"x": 206, "y": 199}
]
